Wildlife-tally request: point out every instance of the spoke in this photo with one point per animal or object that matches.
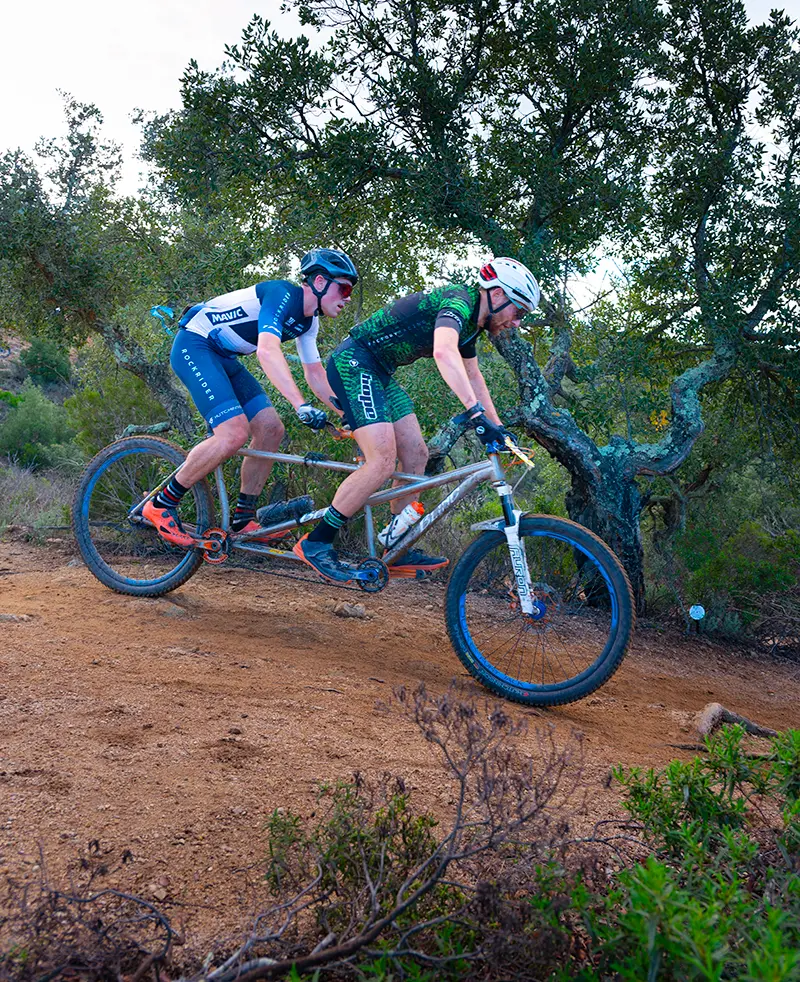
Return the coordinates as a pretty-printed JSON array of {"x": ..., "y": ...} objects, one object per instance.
[{"x": 570, "y": 636}]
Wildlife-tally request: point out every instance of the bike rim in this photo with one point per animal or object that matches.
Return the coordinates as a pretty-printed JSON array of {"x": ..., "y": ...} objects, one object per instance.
[
  {"x": 132, "y": 552},
  {"x": 572, "y": 631}
]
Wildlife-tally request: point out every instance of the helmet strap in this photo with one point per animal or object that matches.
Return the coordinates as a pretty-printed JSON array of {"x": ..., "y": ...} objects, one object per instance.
[
  {"x": 319, "y": 294},
  {"x": 494, "y": 310}
]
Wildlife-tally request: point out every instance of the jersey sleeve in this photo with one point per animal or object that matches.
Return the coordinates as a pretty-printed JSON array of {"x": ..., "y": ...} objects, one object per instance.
[
  {"x": 454, "y": 309},
  {"x": 307, "y": 343},
  {"x": 275, "y": 298}
]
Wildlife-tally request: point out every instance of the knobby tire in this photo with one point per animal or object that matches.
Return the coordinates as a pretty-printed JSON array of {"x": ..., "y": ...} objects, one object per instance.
[
  {"x": 584, "y": 618},
  {"x": 126, "y": 556}
]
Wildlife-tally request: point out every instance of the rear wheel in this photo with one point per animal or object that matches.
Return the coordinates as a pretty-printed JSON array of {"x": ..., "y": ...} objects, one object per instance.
[
  {"x": 582, "y": 622},
  {"x": 126, "y": 553}
]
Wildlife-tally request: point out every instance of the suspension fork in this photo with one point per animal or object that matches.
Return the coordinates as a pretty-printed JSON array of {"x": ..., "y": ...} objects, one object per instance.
[{"x": 516, "y": 550}]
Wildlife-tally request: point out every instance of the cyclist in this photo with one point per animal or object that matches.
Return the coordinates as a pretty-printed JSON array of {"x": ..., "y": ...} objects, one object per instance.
[
  {"x": 443, "y": 324},
  {"x": 234, "y": 404}
]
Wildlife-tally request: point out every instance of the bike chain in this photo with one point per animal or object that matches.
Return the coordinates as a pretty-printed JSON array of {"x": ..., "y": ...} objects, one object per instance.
[{"x": 311, "y": 578}]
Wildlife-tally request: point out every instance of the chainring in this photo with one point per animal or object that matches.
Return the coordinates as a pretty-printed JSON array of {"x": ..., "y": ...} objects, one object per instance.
[
  {"x": 382, "y": 578},
  {"x": 213, "y": 536}
]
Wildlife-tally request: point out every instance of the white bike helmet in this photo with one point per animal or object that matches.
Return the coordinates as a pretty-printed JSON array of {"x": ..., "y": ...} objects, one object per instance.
[{"x": 515, "y": 280}]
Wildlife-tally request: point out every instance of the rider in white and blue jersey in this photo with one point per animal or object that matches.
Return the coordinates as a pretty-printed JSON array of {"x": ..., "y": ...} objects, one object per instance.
[{"x": 257, "y": 319}]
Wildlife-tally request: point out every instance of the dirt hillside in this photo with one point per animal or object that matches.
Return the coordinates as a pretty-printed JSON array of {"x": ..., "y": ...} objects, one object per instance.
[{"x": 172, "y": 727}]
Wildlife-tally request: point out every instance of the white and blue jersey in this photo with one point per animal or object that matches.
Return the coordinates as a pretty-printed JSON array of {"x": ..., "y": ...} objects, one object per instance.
[
  {"x": 233, "y": 322},
  {"x": 213, "y": 333}
]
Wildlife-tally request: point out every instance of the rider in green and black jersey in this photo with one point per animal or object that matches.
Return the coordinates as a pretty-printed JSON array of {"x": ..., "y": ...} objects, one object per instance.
[{"x": 444, "y": 324}]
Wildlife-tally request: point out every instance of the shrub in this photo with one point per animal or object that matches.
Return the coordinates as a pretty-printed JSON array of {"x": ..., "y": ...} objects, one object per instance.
[
  {"x": 9, "y": 398},
  {"x": 719, "y": 897},
  {"x": 34, "y": 499},
  {"x": 751, "y": 562},
  {"x": 32, "y": 428},
  {"x": 100, "y": 414},
  {"x": 46, "y": 361}
]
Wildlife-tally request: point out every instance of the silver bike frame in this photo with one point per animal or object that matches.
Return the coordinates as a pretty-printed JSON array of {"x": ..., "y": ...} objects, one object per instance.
[{"x": 467, "y": 477}]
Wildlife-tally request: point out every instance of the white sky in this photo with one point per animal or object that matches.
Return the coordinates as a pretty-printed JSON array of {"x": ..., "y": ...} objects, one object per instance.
[
  {"x": 126, "y": 56},
  {"x": 121, "y": 57}
]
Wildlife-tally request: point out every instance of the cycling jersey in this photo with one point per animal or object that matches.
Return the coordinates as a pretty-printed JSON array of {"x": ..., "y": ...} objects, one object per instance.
[
  {"x": 403, "y": 332},
  {"x": 233, "y": 321}
]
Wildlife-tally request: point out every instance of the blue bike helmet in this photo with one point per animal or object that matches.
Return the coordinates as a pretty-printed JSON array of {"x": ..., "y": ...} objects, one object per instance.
[{"x": 331, "y": 263}]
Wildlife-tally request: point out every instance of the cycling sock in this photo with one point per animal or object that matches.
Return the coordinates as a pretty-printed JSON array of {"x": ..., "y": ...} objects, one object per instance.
[
  {"x": 327, "y": 528},
  {"x": 245, "y": 511},
  {"x": 170, "y": 496}
]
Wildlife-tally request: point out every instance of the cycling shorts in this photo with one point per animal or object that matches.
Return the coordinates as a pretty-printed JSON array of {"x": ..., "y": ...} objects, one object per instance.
[
  {"x": 366, "y": 392},
  {"x": 220, "y": 385}
]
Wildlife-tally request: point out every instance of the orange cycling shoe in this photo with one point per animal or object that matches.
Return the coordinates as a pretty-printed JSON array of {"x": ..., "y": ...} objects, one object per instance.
[
  {"x": 414, "y": 564},
  {"x": 254, "y": 527},
  {"x": 168, "y": 525}
]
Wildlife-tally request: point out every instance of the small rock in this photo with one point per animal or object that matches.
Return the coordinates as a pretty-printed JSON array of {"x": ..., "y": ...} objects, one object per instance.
[
  {"x": 16, "y": 618},
  {"x": 76, "y": 562},
  {"x": 345, "y": 609},
  {"x": 238, "y": 810},
  {"x": 173, "y": 610},
  {"x": 157, "y": 892},
  {"x": 234, "y": 729}
]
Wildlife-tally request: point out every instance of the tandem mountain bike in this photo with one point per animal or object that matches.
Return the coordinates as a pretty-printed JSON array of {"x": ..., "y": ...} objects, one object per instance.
[{"x": 538, "y": 608}]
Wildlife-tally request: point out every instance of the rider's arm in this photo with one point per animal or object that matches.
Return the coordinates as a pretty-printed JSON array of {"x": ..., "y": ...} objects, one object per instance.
[
  {"x": 452, "y": 368},
  {"x": 478, "y": 382},
  {"x": 276, "y": 368},
  {"x": 318, "y": 383},
  {"x": 312, "y": 365}
]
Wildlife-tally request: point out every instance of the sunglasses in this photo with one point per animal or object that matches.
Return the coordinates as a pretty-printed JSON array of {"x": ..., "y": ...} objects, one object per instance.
[{"x": 345, "y": 288}]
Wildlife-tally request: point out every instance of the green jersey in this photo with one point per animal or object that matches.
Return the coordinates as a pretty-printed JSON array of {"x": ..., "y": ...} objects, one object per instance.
[{"x": 403, "y": 332}]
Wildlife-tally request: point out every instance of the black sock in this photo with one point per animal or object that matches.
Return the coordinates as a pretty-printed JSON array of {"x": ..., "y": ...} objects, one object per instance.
[
  {"x": 327, "y": 528},
  {"x": 170, "y": 496},
  {"x": 245, "y": 511}
]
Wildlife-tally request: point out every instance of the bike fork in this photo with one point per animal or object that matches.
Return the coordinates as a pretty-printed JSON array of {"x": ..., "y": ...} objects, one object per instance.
[{"x": 516, "y": 550}]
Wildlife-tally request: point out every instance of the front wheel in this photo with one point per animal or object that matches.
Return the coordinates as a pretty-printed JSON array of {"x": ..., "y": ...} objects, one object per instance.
[
  {"x": 123, "y": 550},
  {"x": 581, "y": 625}
]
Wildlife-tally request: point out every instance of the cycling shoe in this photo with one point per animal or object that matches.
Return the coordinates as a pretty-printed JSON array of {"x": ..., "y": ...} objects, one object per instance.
[{"x": 323, "y": 559}]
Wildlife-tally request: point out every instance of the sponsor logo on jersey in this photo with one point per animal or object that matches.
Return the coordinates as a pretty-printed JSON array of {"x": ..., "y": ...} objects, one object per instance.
[
  {"x": 226, "y": 316},
  {"x": 366, "y": 397}
]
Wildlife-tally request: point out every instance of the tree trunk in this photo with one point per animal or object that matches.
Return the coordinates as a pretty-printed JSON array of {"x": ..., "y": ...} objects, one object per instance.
[
  {"x": 604, "y": 496},
  {"x": 157, "y": 376},
  {"x": 613, "y": 511}
]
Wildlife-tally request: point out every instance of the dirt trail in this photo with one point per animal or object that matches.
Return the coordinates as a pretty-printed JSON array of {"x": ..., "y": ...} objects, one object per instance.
[{"x": 173, "y": 727}]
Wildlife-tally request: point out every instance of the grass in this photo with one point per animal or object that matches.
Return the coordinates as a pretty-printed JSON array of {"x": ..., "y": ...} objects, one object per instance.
[{"x": 34, "y": 500}]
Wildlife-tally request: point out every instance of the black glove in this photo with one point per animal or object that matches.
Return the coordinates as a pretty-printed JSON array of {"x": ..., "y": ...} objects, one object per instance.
[
  {"x": 490, "y": 434},
  {"x": 511, "y": 436},
  {"x": 315, "y": 418}
]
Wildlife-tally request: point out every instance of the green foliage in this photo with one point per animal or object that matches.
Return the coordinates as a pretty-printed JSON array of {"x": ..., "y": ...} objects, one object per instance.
[
  {"x": 33, "y": 429},
  {"x": 716, "y": 898},
  {"x": 358, "y": 833},
  {"x": 46, "y": 361},
  {"x": 100, "y": 414},
  {"x": 10, "y": 398},
  {"x": 751, "y": 562},
  {"x": 719, "y": 899}
]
